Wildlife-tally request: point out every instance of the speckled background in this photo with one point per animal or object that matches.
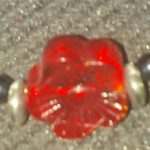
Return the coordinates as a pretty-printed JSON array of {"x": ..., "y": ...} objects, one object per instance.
[{"x": 25, "y": 27}]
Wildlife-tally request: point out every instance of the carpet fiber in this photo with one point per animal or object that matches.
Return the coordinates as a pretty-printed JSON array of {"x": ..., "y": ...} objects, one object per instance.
[{"x": 26, "y": 26}]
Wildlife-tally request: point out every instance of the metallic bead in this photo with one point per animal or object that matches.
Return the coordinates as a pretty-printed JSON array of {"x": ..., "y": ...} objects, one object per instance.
[
  {"x": 137, "y": 90},
  {"x": 16, "y": 102},
  {"x": 144, "y": 66},
  {"x": 5, "y": 82}
]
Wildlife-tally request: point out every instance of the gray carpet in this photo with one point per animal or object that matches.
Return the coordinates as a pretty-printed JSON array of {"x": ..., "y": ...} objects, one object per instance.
[{"x": 25, "y": 27}]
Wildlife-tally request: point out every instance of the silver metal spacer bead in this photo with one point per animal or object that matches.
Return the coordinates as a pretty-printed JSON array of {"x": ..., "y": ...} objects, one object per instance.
[
  {"x": 16, "y": 102},
  {"x": 137, "y": 90}
]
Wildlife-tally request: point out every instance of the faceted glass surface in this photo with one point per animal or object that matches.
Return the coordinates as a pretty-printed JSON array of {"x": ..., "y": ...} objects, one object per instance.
[{"x": 78, "y": 85}]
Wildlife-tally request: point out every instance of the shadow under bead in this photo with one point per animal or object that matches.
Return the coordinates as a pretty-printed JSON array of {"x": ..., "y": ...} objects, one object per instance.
[
  {"x": 5, "y": 82},
  {"x": 144, "y": 66}
]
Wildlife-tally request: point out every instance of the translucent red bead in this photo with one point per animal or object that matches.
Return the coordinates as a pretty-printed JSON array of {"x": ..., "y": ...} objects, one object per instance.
[{"x": 78, "y": 85}]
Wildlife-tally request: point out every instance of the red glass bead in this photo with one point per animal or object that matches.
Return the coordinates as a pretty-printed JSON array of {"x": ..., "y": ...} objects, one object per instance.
[{"x": 78, "y": 85}]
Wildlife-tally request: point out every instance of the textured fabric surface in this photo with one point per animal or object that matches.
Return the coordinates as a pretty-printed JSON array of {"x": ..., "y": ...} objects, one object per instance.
[{"x": 26, "y": 26}]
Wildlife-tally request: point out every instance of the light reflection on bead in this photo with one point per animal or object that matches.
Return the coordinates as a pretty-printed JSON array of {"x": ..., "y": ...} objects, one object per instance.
[
  {"x": 16, "y": 102},
  {"x": 136, "y": 88},
  {"x": 118, "y": 106}
]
